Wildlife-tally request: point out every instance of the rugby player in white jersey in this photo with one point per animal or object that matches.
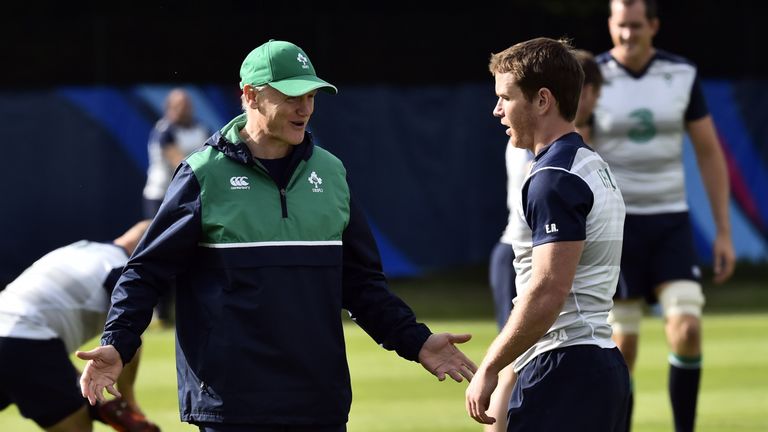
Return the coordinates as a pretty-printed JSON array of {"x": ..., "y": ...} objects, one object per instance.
[
  {"x": 571, "y": 376},
  {"x": 650, "y": 99},
  {"x": 46, "y": 313}
]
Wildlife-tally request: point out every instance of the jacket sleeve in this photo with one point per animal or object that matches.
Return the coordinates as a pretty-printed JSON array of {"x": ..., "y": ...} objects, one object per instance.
[
  {"x": 164, "y": 251},
  {"x": 371, "y": 304}
]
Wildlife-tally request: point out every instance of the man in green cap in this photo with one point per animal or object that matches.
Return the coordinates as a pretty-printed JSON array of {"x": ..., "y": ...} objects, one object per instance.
[{"x": 267, "y": 246}]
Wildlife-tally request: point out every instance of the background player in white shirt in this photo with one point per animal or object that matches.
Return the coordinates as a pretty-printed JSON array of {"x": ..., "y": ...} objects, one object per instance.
[
  {"x": 50, "y": 310},
  {"x": 567, "y": 261},
  {"x": 649, "y": 101},
  {"x": 174, "y": 137}
]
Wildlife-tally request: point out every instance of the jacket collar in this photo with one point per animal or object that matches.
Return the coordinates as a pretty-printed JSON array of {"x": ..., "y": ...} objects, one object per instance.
[{"x": 228, "y": 141}]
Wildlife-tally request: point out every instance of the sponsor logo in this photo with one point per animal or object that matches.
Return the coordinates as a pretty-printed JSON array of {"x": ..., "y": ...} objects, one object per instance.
[
  {"x": 316, "y": 182},
  {"x": 550, "y": 228},
  {"x": 239, "y": 182}
]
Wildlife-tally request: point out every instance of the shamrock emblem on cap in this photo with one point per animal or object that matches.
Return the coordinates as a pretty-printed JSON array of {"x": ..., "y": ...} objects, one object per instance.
[{"x": 303, "y": 59}]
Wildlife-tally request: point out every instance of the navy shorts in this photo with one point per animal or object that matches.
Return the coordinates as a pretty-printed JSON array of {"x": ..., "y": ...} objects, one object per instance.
[
  {"x": 577, "y": 388},
  {"x": 39, "y": 378},
  {"x": 502, "y": 279},
  {"x": 657, "y": 249}
]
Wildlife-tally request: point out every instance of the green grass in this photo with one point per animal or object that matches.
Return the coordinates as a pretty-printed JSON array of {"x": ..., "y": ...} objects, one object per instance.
[{"x": 391, "y": 394}]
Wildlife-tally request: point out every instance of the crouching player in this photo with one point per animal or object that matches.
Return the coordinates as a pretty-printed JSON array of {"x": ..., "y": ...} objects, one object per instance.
[{"x": 51, "y": 309}]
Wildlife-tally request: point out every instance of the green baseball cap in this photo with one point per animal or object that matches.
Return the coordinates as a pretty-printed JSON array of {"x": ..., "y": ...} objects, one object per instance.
[{"x": 283, "y": 66}]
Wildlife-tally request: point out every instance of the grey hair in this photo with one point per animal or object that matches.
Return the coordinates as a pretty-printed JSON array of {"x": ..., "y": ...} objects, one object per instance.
[{"x": 243, "y": 106}]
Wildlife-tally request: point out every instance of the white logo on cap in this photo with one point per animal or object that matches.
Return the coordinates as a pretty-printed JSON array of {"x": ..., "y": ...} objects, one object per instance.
[
  {"x": 303, "y": 61},
  {"x": 316, "y": 181}
]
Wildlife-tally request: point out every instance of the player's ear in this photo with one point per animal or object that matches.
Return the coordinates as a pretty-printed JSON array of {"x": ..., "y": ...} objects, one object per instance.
[
  {"x": 655, "y": 24},
  {"x": 251, "y": 95},
  {"x": 544, "y": 99}
]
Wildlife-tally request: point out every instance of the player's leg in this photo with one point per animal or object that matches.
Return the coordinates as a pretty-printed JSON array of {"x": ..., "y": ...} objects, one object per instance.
[
  {"x": 43, "y": 383},
  {"x": 123, "y": 413},
  {"x": 501, "y": 275},
  {"x": 502, "y": 281},
  {"x": 75, "y": 422},
  {"x": 682, "y": 300},
  {"x": 634, "y": 286},
  {"x": 500, "y": 400},
  {"x": 625, "y": 320},
  {"x": 682, "y": 303},
  {"x": 127, "y": 379},
  {"x": 163, "y": 314}
]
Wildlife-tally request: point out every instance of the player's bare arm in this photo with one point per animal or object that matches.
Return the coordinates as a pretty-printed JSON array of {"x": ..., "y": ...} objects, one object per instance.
[
  {"x": 554, "y": 267},
  {"x": 714, "y": 173}
]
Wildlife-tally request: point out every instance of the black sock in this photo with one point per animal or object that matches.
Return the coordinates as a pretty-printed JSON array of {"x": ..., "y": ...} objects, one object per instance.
[{"x": 684, "y": 377}]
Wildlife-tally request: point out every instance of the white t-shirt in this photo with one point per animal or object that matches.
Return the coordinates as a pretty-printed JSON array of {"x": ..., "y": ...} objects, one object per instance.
[
  {"x": 61, "y": 295},
  {"x": 639, "y": 129},
  {"x": 160, "y": 172},
  {"x": 517, "y": 163}
]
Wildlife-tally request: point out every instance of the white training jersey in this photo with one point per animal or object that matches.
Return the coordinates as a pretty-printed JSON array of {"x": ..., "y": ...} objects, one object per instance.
[
  {"x": 61, "y": 295},
  {"x": 517, "y": 163},
  {"x": 571, "y": 195},
  {"x": 160, "y": 172},
  {"x": 639, "y": 129}
]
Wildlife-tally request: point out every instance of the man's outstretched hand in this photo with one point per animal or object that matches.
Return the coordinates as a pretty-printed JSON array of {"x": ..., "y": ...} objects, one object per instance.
[
  {"x": 100, "y": 373},
  {"x": 440, "y": 356}
]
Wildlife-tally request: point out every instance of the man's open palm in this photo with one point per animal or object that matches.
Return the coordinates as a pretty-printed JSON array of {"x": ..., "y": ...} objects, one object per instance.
[
  {"x": 101, "y": 372},
  {"x": 440, "y": 356}
]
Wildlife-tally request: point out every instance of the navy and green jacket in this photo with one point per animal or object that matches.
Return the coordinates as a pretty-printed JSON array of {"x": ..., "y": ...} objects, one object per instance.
[{"x": 263, "y": 269}]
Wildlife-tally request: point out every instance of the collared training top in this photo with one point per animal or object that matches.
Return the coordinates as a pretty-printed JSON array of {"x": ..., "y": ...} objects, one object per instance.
[
  {"x": 571, "y": 195},
  {"x": 64, "y": 294},
  {"x": 639, "y": 128}
]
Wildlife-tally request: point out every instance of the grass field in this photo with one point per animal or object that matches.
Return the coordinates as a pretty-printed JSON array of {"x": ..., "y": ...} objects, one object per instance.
[{"x": 391, "y": 394}]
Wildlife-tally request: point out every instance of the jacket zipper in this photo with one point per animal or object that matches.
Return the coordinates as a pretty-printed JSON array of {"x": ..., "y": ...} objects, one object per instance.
[
  {"x": 283, "y": 203},
  {"x": 281, "y": 189}
]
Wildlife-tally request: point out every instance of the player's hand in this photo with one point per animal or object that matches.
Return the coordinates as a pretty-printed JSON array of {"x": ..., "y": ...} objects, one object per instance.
[
  {"x": 725, "y": 258},
  {"x": 100, "y": 373},
  {"x": 440, "y": 356},
  {"x": 478, "y": 396}
]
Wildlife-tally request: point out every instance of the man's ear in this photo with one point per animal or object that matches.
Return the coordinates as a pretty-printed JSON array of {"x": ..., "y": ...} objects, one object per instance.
[
  {"x": 251, "y": 95},
  {"x": 544, "y": 100},
  {"x": 655, "y": 25}
]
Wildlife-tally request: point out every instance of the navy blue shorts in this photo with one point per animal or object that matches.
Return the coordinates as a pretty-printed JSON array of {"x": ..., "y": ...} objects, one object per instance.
[
  {"x": 577, "y": 388},
  {"x": 657, "y": 249},
  {"x": 39, "y": 378},
  {"x": 214, "y": 427},
  {"x": 502, "y": 279}
]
